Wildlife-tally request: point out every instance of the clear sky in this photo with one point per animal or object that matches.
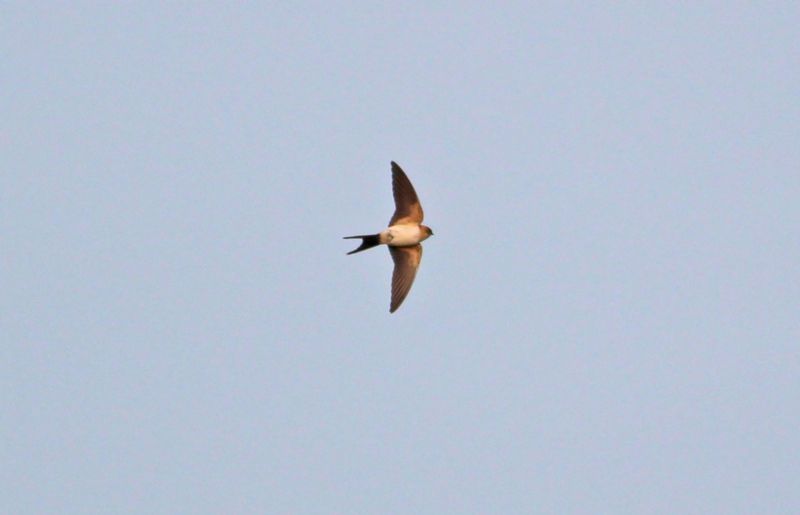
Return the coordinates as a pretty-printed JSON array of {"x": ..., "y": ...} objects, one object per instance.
[{"x": 607, "y": 319}]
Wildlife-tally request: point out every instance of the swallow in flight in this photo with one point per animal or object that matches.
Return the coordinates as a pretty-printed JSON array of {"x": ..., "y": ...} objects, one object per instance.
[{"x": 403, "y": 236}]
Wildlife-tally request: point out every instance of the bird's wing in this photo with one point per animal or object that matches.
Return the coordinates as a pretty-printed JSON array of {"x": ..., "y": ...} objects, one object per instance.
[
  {"x": 406, "y": 204},
  {"x": 406, "y": 261}
]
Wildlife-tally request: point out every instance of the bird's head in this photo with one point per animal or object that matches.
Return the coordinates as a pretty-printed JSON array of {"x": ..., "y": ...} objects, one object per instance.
[{"x": 427, "y": 230}]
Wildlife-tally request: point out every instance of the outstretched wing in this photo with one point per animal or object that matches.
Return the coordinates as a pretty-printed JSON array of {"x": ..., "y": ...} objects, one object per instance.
[
  {"x": 406, "y": 261},
  {"x": 406, "y": 204}
]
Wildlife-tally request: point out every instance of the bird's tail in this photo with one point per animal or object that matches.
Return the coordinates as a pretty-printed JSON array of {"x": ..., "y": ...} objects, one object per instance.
[{"x": 367, "y": 242}]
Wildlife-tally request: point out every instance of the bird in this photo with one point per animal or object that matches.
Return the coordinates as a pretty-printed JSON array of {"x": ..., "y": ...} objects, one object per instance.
[{"x": 402, "y": 237}]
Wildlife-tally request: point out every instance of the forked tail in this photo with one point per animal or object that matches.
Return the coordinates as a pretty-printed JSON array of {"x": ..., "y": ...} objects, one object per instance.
[{"x": 367, "y": 242}]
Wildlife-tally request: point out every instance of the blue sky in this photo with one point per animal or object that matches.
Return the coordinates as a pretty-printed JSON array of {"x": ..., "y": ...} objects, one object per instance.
[{"x": 606, "y": 320}]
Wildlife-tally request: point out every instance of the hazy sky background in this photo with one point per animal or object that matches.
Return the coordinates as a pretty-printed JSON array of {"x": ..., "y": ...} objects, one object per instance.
[{"x": 607, "y": 319}]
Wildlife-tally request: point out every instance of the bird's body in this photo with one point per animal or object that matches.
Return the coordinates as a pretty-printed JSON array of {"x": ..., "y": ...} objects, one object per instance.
[{"x": 403, "y": 236}]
